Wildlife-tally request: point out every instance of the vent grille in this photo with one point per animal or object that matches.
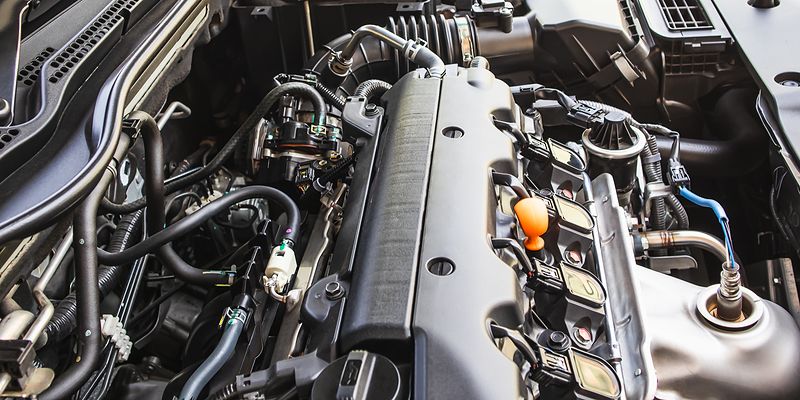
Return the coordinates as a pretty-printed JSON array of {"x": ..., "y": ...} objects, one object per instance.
[
  {"x": 30, "y": 72},
  {"x": 678, "y": 62},
  {"x": 684, "y": 15},
  {"x": 7, "y": 137},
  {"x": 625, "y": 6},
  {"x": 79, "y": 47}
]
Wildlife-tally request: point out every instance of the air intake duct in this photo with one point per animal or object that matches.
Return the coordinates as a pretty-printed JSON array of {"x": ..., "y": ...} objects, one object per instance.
[{"x": 455, "y": 39}]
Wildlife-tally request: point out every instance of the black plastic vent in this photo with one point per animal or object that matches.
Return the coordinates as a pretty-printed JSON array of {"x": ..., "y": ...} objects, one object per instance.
[
  {"x": 29, "y": 74},
  {"x": 7, "y": 136},
  {"x": 684, "y": 15},
  {"x": 627, "y": 11},
  {"x": 679, "y": 62},
  {"x": 81, "y": 46}
]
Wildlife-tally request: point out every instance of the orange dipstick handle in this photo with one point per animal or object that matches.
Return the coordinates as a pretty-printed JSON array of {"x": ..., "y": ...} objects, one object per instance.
[{"x": 532, "y": 215}]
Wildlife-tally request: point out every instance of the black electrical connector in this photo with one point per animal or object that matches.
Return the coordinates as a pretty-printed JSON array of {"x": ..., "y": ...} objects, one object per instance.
[
  {"x": 584, "y": 115},
  {"x": 677, "y": 176}
]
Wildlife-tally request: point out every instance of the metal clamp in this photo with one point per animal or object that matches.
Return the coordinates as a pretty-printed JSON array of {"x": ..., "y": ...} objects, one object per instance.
[
  {"x": 655, "y": 190},
  {"x": 465, "y": 38}
]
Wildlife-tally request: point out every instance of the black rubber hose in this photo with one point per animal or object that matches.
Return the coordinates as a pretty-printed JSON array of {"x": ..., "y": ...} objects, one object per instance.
[
  {"x": 221, "y": 354},
  {"x": 154, "y": 171},
  {"x": 744, "y": 143},
  {"x": 156, "y": 212},
  {"x": 64, "y": 318},
  {"x": 241, "y": 134},
  {"x": 372, "y": 88},
  {"x": 85, "y": 246},
  {"x": 410, "y": 49},
  {"x": 192, "y": 221}
]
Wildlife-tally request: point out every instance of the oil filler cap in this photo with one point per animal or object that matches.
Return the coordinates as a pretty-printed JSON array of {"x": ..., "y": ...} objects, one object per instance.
[
  {"x": 360, "y": 375},
  {"x": 533, "y": 218}
]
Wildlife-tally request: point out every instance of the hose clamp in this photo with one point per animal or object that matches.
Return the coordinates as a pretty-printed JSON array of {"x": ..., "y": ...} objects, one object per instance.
[
  {"x": 465, "y": 38},
  {"x": 235, "y": 315},
  {"x": 338, "y": 65}
]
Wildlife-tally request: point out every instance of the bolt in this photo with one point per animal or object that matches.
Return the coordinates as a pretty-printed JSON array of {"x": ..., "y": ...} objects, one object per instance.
[
  {"x": 790, "y": 83},
  {"x": 87, "y": 333},
  {"x": 573, "y": 257},
  {"x": 334, "y": 290},
  {"x": 637, "y": 372},
  {"x": 558, "y": 341},
  {"x": 582, "y": 335},
  {"x": 81, "y": 241},
  {"x": 370, "y": 110}
]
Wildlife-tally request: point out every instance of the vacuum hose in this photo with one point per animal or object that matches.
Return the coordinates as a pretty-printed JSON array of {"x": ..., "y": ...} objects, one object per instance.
[{"x": 221, "y": 354}]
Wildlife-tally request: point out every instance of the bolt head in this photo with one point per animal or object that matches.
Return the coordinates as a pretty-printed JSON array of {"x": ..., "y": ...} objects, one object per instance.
[
  {"x": 334, "y": 290},
  {"x": 558, "y": 341},
  {"x": 582, "y": 335}
]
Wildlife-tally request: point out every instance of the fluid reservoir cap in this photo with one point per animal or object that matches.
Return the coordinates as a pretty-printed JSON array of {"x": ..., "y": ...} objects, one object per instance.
[
  {"x": 358, "y": 376},
  {"x": 533, "y": 218},
  {"x": 614, "y": 133}
]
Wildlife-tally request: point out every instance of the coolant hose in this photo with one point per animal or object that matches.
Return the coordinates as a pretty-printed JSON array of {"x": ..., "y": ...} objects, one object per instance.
[
  {"x": 192, "y": 221},
  {"x": 64, "y": 318},
  {"x": 294, "y": 88},
  {"x": 221, "y": 354},
  {"x": 743, "y": 147},
  {"x": 88, "y": 295}
]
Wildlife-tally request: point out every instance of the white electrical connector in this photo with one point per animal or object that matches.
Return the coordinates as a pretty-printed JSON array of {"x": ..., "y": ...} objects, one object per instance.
[
  {"x": 281, "y": 266},
  {"x": 111, "y": 327}
]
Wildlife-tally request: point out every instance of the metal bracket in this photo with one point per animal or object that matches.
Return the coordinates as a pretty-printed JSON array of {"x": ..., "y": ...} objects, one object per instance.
[
  {"x": 655, "y": 190},
  {"x": 10, "y": 35},
  {"x": 664, "y": 264},
  {"x": 362, "y": 118}
]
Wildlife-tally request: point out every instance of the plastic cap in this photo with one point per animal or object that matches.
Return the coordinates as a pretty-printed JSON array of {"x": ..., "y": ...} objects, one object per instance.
[{"x": 533, "y": 218}]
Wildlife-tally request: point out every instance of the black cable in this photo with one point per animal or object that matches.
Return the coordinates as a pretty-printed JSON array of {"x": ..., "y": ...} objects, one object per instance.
[
  {"x": 241, "y": 134},
  {"x": 372, "y": 88},
  {"x": 186, "y": 225},
  {"x": 333, "y": 98},
  {"x": 155, "y": 303}
]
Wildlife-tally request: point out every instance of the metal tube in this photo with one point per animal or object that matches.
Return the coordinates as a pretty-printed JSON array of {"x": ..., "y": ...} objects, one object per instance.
[
  {"x": 409, "y": 49},
  {"x": 175, "y": 110},
  {"x": 45, "y": 306},
  {"x": 309, "y": 28},
  {"x": 701, "y": 240}
]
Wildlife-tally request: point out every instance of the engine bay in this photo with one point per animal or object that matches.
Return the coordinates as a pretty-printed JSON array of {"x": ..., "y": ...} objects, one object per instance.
[{"x": 346, "y": 199}]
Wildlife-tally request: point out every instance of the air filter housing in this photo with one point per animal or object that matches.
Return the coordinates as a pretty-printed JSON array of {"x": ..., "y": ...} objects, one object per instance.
[{"x": 613, "y": 147}]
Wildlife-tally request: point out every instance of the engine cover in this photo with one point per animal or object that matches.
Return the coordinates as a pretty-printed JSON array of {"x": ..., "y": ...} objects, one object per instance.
[{"x": 462, "y": 285}]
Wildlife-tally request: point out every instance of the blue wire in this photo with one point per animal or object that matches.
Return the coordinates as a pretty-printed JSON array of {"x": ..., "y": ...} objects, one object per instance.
[{"x": 719, "y": 212}]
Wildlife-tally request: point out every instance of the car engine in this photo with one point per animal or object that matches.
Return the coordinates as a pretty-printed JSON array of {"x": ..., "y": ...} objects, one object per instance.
[{"x": 444, "y": 199}]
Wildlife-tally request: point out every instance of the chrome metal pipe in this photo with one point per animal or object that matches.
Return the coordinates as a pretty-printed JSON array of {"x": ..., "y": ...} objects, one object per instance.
[{"x": 701, "y": 240}]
